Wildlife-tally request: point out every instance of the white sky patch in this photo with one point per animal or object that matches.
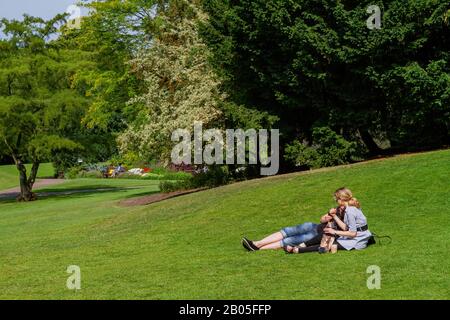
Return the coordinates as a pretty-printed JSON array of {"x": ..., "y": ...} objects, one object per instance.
[{"x": 46, "y": 9}]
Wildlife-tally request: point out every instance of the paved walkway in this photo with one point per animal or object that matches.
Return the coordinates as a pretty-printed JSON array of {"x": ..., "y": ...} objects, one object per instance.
[
  {"x": 40, "y": 183},
  {"x": 11, "y": 194}
]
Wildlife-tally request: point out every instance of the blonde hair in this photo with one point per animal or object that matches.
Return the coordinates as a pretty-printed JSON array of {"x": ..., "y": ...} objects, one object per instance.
[{"x": 345, "y": 196}]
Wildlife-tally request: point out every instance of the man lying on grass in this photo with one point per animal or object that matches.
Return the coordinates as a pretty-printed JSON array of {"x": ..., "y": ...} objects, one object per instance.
[{"x": 351, "y": 231}]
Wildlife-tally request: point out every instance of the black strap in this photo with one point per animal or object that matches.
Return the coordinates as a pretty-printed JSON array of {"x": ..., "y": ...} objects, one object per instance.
[
  {"x": 363, "y": 228},
  {"x": 381, "y": 237}
]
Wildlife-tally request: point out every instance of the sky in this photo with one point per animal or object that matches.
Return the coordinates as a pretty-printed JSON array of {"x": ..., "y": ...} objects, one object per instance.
[{"x": 14, "y": 9}]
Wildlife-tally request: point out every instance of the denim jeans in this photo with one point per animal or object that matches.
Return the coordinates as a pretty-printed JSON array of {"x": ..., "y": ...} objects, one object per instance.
[{"x": 293, "y": 236}]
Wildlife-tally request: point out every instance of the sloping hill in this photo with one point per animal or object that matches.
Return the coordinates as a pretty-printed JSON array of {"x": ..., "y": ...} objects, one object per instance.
[{"x": 189, "y": 246}]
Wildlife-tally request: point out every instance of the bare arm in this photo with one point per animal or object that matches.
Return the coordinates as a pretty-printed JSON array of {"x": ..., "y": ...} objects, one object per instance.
[
  {"x": 344, "y": 232},
  {"x": 329, "y": 216},
  {"x": 340, "y": 223},
  {"x": 349, "y": 234}
]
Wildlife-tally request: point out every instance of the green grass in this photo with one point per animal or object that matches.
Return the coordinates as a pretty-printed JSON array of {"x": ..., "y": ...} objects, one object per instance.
[
  {"x": 189, "y": 247},
  {"x": 9, "y": 176}
]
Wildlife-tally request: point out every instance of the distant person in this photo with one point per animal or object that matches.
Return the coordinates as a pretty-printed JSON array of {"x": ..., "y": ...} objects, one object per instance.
[{"x": 118, "y": 170}]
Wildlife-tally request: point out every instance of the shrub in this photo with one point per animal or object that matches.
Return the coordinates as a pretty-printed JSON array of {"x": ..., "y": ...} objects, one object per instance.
[
  {"x": 301, "y": 155},
  {"x": 148, "y": 176},
  {"x": 160, "y": 170},
  {"x": 90, "y": 174},
  {"x": 328, "y": 149},
  {"x": 170, "y": 175},
  {"x": 154, "y": 176},
  {"x": 63, "y": 162},
  {"x": 72, "y": 173},
  {"x": 214, "y": 176},
  {"x": 171, "y": 186},
  {"x": 129, "y": 160}
]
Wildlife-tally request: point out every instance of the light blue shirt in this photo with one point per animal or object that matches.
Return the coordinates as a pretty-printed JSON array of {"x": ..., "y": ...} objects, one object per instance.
[{"x": 354, "y": 218}]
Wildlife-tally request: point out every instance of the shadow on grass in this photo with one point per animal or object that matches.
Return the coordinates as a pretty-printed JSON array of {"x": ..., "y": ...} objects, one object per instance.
[
  {"x": 75, "y": 192},
  {"x": 81, "y": 188},
  {"x": 140, "y": 194}
]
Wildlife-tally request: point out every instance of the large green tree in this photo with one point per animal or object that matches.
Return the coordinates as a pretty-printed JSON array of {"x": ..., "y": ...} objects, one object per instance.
[
  {"x": 315, "y": 64},
  {"x": 180, "y": 85},
  {"x": 113, "y": 32},
  {"x": 40, "y": 113}
]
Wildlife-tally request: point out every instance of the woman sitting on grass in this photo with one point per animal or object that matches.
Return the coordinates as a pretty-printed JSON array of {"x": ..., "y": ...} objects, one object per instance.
[{"x": 306, "y": 237}]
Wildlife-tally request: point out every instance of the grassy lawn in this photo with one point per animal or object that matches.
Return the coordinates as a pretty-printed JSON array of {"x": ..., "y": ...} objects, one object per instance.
[
  {"x": 189, "y": 247},
  {"x": 9, "y": 176}
]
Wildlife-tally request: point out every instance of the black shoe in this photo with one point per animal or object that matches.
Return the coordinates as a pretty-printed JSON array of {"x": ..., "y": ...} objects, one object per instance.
[
  {"x": 244, "y": 244},
  {"x": 322, "y": 250},
  {"x": 248, "y": 244}
]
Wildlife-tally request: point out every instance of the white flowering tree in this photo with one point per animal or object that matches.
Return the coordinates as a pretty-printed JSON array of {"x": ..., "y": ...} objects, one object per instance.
[{"x": 181, "y": 87}]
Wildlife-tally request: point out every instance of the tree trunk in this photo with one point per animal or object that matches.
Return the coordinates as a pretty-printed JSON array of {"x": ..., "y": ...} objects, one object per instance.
[
  {"x": 371, "y": 145},
  {"x": 26, "y": 185},
  {"x": 33, "y": 174}
]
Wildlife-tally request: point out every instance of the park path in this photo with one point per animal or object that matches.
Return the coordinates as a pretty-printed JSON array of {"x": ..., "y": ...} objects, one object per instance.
[
  {"x": 10, "y": 194},
  {"x": 14, "y": 192}
]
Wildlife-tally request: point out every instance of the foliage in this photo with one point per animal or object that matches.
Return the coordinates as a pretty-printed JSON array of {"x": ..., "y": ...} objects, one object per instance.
[
  {"x": 73, "y": 172},
  {"x": 97, "y": 171},
  {"x": 170, "y": 176},
  {"x": 181, "y": 87},
  {"x": 172, "y": 186},
  {"x": 418, "y": 97},
  {"x": 328, "y": 149},
  {"x": 90, "y": 174},
  {"x": 310, "y": 62},
  {"x": 63, "y": 161},
  {"x": 129, "y": 160},
  {"x": 40, "y": 113},
  {"x": 112, "y": 32},
  {"x": 214, "y": 176},
  {"x": 110, "y": 35}
]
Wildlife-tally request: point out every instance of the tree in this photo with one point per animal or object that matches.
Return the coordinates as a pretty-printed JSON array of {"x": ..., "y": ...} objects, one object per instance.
[
  {"x": 316, "y": 64},
  {"x": 110, "y": 34},
  {"x": 113, "y": 32},
  {"x": 181, "y": 87},
  {"x": 39, "y": 112}
]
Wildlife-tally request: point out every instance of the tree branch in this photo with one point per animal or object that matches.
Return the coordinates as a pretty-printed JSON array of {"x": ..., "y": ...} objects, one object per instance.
[{"x": 13, "y": 154}]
